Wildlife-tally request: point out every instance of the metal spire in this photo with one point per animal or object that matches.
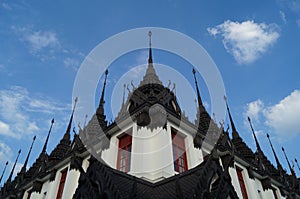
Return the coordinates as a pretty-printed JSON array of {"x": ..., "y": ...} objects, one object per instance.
[
  {"x": 23, "y": 170},
  {"x": 67, "y": 135},
  {"x": 297, "y": 164},
  {"x": 150, "y": 76},
  {"x": 292, "y": 171},
  {"x": 3, "y": 171},
  {"x": 46, "y": 142},
  {"x": 234, "y": 131},
  {"x": 123, "y": 99},
  {"x": 103, "y": 90},
  {"x": 12, "y": 171},
  {"x": 200, "y": 104},
  {"x": 150, "y": 48},
  {"x": 279, "y": 167},
  {"x": 256, "y": 141}
]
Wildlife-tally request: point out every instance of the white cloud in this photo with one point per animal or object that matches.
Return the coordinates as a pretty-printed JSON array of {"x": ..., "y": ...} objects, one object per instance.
[
  {"x": 39, "y": 40},
  {"x": 71, "y": 63},
  {"x": 247, "y": 40},
  {"x": 6, "y": 6},
  {"x": 282, "y": 16},
  {"x": 254, "y": 109},
  {"x": 16, "y": 108},
  {"x": 284, "y": 116},
  {"x": 5, "y": 152},
  {"x": 298, "y": 22}
]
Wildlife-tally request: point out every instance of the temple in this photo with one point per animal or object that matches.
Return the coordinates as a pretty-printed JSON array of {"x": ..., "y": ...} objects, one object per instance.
[{"x": 152, "y": 150}]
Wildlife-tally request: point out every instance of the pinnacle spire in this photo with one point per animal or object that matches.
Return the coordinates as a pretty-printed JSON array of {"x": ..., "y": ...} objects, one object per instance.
[
  {"x": 234, "y": 131},
  {"x": 3, "y": 171},
  {"x": 103, "y": 90},
  {"x": 150, "y": 61},
  {"x": 256, "y": 141},
  {"x": 67, "y": 134},
  {"x": 150, "y": 76},
  {"x": 100, "y": 110},
  {"x": 291, "y": 169},
  {"x": 279, "y": 167},
  {"x": 200, "y": 104},
  {"x": 23, "y": 170},
  {"x": 12, "y": 170},
  {"x": 46, "y": 142},
  {"x": 297, "y": 164}
]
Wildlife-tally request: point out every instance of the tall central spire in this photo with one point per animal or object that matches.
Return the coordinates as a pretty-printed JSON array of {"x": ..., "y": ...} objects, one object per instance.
[
  {"x": 150, "y": 76},
  {"x": 150, "y": 48}
]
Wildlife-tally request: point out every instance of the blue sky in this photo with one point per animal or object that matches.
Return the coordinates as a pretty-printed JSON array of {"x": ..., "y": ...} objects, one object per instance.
[{"x": 254, "y": 44}]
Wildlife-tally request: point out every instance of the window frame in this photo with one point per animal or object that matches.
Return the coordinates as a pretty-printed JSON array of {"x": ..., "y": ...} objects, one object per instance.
[
  {"x": 180, "y": 162},
  {"x": 124, "y": 146},
  {"x": 62, "y": 183},
  {"x": 242, "y": 183}
]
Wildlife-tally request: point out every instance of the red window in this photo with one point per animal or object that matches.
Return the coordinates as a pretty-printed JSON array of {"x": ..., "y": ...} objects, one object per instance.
[
  {"x": 29, "y": 194},
  {"x": 62, "y": 183},
  {"x": 274, "y": 193},
  {"x": 179, "y": 154},
  {"x": 241, "y": 181},
  {"x": 124, "y": 153}
]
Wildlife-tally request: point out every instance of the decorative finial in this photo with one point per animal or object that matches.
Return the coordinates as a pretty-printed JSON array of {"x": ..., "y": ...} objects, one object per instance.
[
  {"x": 23, "y": 170},
  {"x": 234, "y": 132},
  {"x": 254, "y": 135},
  {"x": 150, "y": 34},
  {"x": 3, "y": 171},
  {"x": 200, "y": 104},
  {"x": 85, "y": 119},
  {"x": 123, "y": 99},
  {"x": 12, "y": 171},
  {"x": 279, "y": 167},
  {"x": 46, "y": 142},
  {"x": 292, "y": 171},
  {"x": 150, "y": 48},
  {"x": 297, "y": 164}
]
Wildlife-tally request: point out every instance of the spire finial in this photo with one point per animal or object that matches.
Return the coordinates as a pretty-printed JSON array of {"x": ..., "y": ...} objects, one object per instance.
[
  {"x": 3, "y": 171},
  {"x": 46, "y": 142},
  {"x": 200, "y": 104},
  {"x": 23, "y": 170},
  {"x": 123, "y": 98},
  {"x": 297, "y": 164},
  {"x": 230, "y": 117},
  {"x": 279, "y": 167},
  {"x": 150, "y": 48},
  {"x": 12, "y": 170},
  {"x": 103, "y": 90},
  {"x": 256, "y": 141},
  {"x": 292, "y": 171},
  {"x": 67, "y": 134}
]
